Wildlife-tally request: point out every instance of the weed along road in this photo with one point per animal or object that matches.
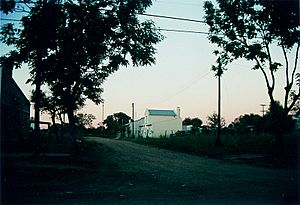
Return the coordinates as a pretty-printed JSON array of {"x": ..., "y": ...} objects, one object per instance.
[{"x": 157, "y": 176}]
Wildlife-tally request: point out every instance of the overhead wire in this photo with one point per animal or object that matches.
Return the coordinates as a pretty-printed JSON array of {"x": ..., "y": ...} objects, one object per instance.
[
  {"x": 172, "y": 18},
  {"x": 155, "y": 16},
  {"x": 160, "y": 29},
  {"x": 166, "y": 30},
  {"x": 190, "y": 84},
  {"x": 183, "y": 31}
]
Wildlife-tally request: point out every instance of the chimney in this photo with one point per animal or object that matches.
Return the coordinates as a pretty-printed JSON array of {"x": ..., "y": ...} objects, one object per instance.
[{"x": 178, "y": 111}]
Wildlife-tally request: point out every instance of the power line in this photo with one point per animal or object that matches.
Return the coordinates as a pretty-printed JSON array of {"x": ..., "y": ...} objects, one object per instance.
[
  {"x": 183, "y": 31},
  {"x": 160, "y": 29},
  {"x": 190, "y": 84},
  {"x": 145, "y": 14},
  {"x": 171, "y": 17}
]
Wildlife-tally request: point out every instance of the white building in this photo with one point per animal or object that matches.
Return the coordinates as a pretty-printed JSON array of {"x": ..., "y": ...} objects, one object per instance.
[
  {"x": 156, "y": 123},
  {"x": 161, "y": 123}
]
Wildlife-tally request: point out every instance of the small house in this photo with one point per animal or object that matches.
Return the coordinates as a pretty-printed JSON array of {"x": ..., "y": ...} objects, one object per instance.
[{"x": 161, "y": 123}]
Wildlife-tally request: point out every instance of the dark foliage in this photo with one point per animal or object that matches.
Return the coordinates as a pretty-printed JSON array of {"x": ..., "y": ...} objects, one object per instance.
[
  {"x": 249, "y": 123},
  {"x": 247, "y": 29},
  {"x": 73, "y": 46},
  {"x": 116, "y": 123}
]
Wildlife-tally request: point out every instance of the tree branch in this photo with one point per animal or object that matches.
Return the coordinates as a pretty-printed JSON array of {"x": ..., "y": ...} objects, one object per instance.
[
  {"x": 266, "y": 43},
  {"x": 288, "y": 108},
  {"x": 295, "y": 65},
  {"x": 288, "y": 87},
  {"x": 270, "y": 88},
  {"x": 297, "y": 97}
]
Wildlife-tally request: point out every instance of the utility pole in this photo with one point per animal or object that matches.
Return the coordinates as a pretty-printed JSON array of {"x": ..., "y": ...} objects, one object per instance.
[
  {"x": 132, "y": 120},
  {"x": 218, "y": 141},
  {"x": 263, "y": 109},
  {"x": 102, "y": 113}
]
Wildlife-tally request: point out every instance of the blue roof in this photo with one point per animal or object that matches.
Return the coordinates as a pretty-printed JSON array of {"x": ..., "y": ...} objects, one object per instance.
[{"x": 162, "y": 112}]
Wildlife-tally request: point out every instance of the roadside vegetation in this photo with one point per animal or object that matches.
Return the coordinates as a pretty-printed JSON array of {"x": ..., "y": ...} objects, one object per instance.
[{"x": 203, "y": 144}]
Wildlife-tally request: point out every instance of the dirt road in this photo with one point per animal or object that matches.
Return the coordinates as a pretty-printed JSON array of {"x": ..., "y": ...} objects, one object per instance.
[
  {"x": 157, "y": 176},
  {"x": 121, "y": 172}
]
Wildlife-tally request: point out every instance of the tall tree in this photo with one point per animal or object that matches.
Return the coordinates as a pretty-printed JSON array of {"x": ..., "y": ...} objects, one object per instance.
[
  {"x": 32, "y": 45},
  {"x": 249, "y": 29},
  {"x": 86, "y": 41}
]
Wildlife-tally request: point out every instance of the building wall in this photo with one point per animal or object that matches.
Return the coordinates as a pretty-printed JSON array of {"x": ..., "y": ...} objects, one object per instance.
[
  {"x": 15, "y": 110},
  {"x": 161, "y": 126}
]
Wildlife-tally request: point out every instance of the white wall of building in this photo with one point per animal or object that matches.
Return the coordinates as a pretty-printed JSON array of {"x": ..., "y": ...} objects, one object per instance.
[{"x": 161, "y": 126}]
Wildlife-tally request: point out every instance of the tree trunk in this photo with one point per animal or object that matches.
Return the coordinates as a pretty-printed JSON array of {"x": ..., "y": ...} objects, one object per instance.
[
  {"x": 72, "y": 128},
  {"x": 278, "y": 119},
  {"x": 37, "y": 106},
  {"x": 62, "y": 122},
  {"x": 54, "y": 127}
]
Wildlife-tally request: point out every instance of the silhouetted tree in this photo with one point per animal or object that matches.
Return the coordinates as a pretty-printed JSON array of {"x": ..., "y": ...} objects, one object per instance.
[
  {"x": 278, "y": 123},
  {"x": 187, "y": 121},
  {"x": 48, "y": 104},
  {"x": 32, "y": 45},
  {"x": 212, "y": 121},
  {"x": 74, "y": 46},
  {"x": 51, "y": 105},
  {"x": 196, "y": 122},
  {"x": 85, "y": 120},
  {"x": 115, "y": 123},
  {"x": 248, "y": 29},
  {"x": 246, "y": 123}
]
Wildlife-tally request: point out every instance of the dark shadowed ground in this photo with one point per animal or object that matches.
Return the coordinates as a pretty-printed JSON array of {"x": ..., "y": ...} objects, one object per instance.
[{"x": 121, "y": 172}]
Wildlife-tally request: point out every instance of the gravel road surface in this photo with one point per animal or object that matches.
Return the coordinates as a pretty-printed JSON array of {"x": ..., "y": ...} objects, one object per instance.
[{"x": 157, "y": 176}]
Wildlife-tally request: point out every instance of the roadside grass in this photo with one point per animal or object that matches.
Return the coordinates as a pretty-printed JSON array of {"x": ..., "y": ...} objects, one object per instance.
[{"x": 204, "y": 144}]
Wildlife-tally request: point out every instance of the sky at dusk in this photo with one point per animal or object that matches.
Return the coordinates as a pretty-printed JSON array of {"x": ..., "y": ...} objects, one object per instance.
[{"x": 182, "y": 75}]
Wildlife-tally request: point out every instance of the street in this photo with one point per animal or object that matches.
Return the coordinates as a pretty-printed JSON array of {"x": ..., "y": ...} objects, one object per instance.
[{"x": 123, "y": 172}]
